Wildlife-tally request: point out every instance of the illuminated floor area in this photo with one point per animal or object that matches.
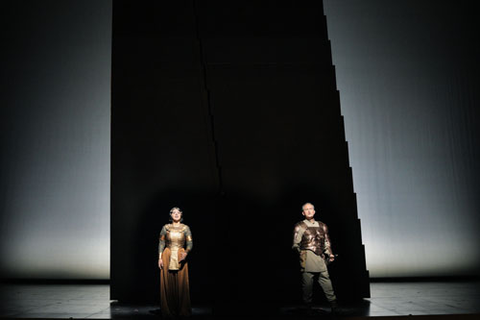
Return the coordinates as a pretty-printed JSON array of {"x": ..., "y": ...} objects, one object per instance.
[{"x": 388, "y": 299}]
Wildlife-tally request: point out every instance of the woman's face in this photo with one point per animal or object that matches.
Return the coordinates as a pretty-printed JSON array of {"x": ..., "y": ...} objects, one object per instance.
[{"x": 176, "y": 215}]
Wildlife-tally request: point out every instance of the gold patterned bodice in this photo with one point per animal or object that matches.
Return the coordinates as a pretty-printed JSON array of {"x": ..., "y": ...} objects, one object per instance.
[{"x": 175, "y": 236}]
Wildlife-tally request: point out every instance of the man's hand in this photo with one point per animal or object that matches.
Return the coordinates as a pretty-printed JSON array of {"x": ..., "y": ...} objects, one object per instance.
[
  {"x": 331, "y": 258},
  {"x": 160, "y": 263}
]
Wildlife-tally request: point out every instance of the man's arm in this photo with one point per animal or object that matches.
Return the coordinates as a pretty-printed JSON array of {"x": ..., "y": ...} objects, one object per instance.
[
  {"x": 297, "y": 237},
  {"x": 327, "y": 245}
]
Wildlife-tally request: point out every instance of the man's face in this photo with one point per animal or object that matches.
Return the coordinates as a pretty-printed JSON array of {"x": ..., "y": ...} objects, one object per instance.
[{"x": 308, "y": 211}]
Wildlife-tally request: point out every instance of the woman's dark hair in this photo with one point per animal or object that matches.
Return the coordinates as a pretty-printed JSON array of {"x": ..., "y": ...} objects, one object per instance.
[{"x": 173, "y": 209}]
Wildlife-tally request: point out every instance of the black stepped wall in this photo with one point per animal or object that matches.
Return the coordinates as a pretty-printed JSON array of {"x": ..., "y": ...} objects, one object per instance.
[{"x": 229, "y": 110}]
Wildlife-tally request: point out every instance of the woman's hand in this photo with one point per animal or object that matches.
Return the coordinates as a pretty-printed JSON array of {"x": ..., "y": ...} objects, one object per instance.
[
  {"x": 183, "y": 255},
  {"x": 160, "y": 263}
]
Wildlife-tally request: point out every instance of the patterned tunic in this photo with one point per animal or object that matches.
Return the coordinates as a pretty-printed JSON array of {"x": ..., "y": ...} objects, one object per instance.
[
  {"x": 174, "y": 237},
  {"x": 311, "y": 241}
]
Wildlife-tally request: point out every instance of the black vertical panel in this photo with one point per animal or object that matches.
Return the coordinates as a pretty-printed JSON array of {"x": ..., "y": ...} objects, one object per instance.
[
  {"x": 161, "y": 143},
  {"x": 229, "y": 109}
]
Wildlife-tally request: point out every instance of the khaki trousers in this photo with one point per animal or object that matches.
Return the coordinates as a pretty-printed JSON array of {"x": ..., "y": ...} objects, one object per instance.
[{"x": 323, "y": 280}]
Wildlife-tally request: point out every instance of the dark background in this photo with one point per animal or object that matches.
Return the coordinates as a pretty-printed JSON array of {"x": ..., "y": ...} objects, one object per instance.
[
  {"x": 408, "y": 79},
  {"x": 215, "y": 109}
]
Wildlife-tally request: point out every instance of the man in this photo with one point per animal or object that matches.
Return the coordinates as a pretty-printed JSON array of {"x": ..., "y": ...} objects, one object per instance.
[{"x": 311, "y": 241}]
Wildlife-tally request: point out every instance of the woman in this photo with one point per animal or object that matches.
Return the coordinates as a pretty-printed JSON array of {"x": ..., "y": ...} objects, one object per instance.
[{"x": 174, "y": 245}]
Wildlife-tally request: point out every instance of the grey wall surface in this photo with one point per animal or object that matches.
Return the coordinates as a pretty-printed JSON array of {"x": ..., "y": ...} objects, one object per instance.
[
  {"x": 55, "y": 139},
  {"x": 408, "y": 80},
  {"x": 408, "y": 73}
]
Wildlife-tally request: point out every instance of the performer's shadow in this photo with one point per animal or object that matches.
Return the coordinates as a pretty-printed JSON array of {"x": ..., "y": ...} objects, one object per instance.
[{"x": 358, "y": 308}]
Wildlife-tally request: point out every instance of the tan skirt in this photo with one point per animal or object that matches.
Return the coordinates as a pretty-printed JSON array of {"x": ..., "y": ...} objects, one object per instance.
[{"x": 174, "y": 288}]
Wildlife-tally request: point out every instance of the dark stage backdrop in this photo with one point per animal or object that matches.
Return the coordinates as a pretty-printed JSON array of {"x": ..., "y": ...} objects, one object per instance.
[
  {"x": 407, "y": 72},
  {"x": 230, "y": 111}
]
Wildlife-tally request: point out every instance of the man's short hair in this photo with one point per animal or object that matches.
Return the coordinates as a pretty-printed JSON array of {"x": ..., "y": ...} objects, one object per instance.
[{"x": 306, "y": 204}]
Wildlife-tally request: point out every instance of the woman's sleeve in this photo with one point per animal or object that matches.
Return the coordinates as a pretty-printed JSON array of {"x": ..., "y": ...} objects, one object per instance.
[
  {"x": 188, "y": 238},
  {"x": 161, "y": 241}
]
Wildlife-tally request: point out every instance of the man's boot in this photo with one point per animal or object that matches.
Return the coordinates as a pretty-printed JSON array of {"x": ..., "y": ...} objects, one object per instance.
[{"x": 334, "y": 306}]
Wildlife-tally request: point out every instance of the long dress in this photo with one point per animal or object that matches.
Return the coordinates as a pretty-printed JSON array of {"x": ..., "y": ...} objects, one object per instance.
[{"x": 174, "y": 284}]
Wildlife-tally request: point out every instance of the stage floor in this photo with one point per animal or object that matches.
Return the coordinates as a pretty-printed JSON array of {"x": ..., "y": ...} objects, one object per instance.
[{"x": 389, "y": 299}]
